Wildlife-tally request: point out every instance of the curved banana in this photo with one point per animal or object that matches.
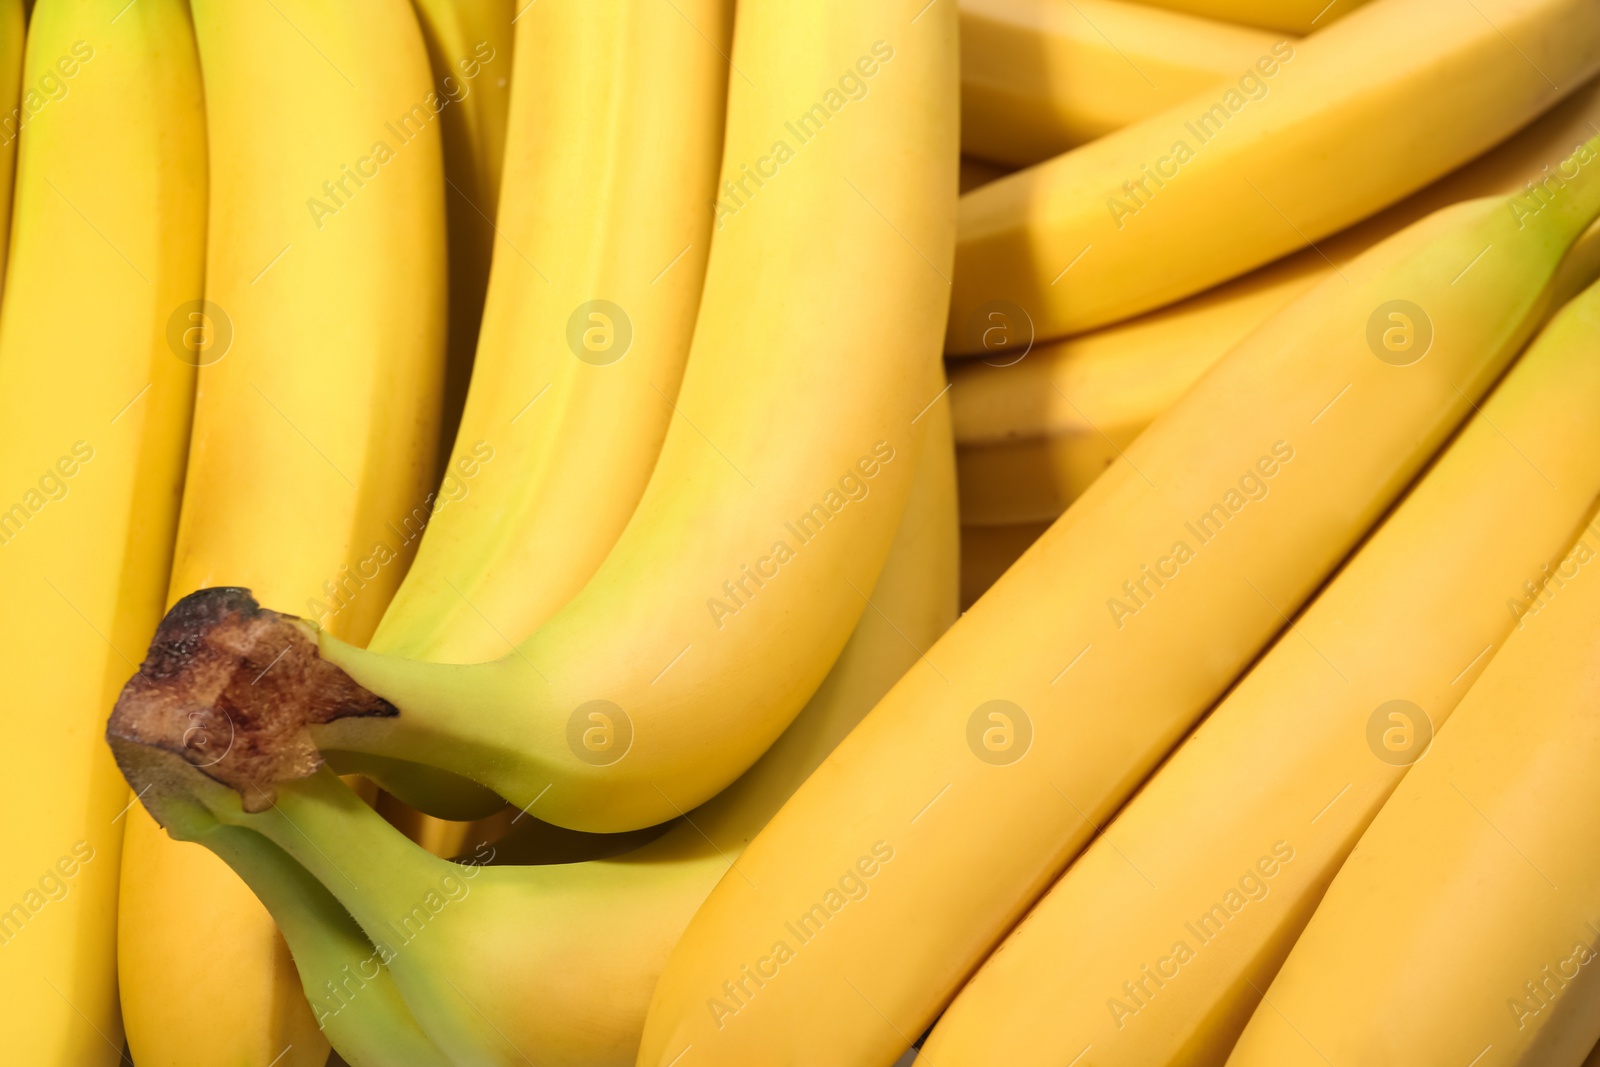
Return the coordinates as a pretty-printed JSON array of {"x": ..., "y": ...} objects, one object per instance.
[
  {"x": 1041, "y": 76},
  {"x": 1032, "y": 434},
  {"x": 616, "y": 130},
  {"x": 13, "y": 27},
  {"x": 1287, "y": 16},
  {"x": 991, "y": 763},
  {"x": 584, "y": 941},
  {"x": 1220, "y": 184},
  {"x": 313, "y": 447},
  {"x": 1178, "y": 915},
  {"x": 108, "y": 243},
  {"x": 781, "y": 480},
  {"x": 1474, "y": 892},
  {"x": 469, "y": 51}
]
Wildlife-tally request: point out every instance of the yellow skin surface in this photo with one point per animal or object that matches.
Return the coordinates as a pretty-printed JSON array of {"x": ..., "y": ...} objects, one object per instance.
[
  {"x": 815, "y": 353},
  {"x": 1284, "y": 766},
  {"x": 470, "y": 53},
  {"x": 110, "y": 216},
  {"x": 1240, "y": 193},
  {"x": 1098, "y": 697},
  {"x": 1477, "y": 875},
  {"x": 1041, "y": 76},
  {"x": 1287, "y": 16},
  {"x": 1031, "y": 435},
  {"x": 583, "y": 941},
  {"x": 611, "y": 165},
  {"x": 313, "y": 433}
]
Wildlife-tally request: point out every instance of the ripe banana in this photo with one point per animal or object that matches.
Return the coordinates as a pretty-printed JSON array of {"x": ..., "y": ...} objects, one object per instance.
[
  {"x": 1220, "y": 184},
  {"x": 1474, "y": 893},
  {"x": 781, "y": 480},
  {"x": 1178, "y": 915},
  {"x": 992, "y": 761},
  {"x": 1288, "y": 16},
  {"x": 469, "y": 51},
  {"x": 108, "y": 242},
  {"x": 1041, "y": 76},
  {"x": 616, "y": 126},
  {"x": 313, "y": 447},
  {"x": 1031, "y": 435},
  {"x": 13, "y": 25},
  {"x": 585, "y": 941}
]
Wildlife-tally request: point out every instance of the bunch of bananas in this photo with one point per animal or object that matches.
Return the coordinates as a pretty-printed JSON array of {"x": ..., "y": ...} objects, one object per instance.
[{"x": 728, "y": 532}]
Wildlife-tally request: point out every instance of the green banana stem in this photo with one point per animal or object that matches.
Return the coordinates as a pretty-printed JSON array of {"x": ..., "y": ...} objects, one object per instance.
[{"x": 344, "y": 976}]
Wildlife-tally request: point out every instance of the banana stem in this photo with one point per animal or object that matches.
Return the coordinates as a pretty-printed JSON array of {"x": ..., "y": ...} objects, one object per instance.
[{"x": 357, "y": 1003}]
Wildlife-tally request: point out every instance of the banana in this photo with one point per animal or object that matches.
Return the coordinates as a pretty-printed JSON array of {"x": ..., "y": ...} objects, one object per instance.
[
  {"x": 1220, "y": 184},
  {"x": 108, "y": 244},
  {"x": 616, "y": 126},
  {"x": 1041, "y": 76},
  {"x": 13, "y": 26},
  {"x": 989, "y": 765},
  {"x": 469, "y": 51},
  {"x": 988, "y": 551},
  {"x": 779, "y": 485},
  {"x": 585, "y": 941},
  {"x": 1179, "y": 913},
  {"x": 1032, "y": 434},
  {"x": 313, "y": 446},
  {"x": 1287, "y": 16},
  {"x": 1475, "y": 891}
]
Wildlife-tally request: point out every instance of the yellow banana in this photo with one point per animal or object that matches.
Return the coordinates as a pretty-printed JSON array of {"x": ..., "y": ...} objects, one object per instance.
[
  {"x": 585, "y": 941},
  {"x": 992, "y": 761},
  {"x": 1287, "y": 16},
  {"x": 1178, "y": 915},
  {"x": 781, "y": 480},
  {"x": 469, "y": 51},
  {"x": 616, "y": 127},
  {"x": 13, "y": 26},
  {"x": 1220, "y": 184},
  {"x": 1032, "y": 434},
  {"x": 313, "y": 447},
  {"x": 1041, "y": 76},
  {"x": 1473, "y": 895},
  {"x": 108, "y": 244}
]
